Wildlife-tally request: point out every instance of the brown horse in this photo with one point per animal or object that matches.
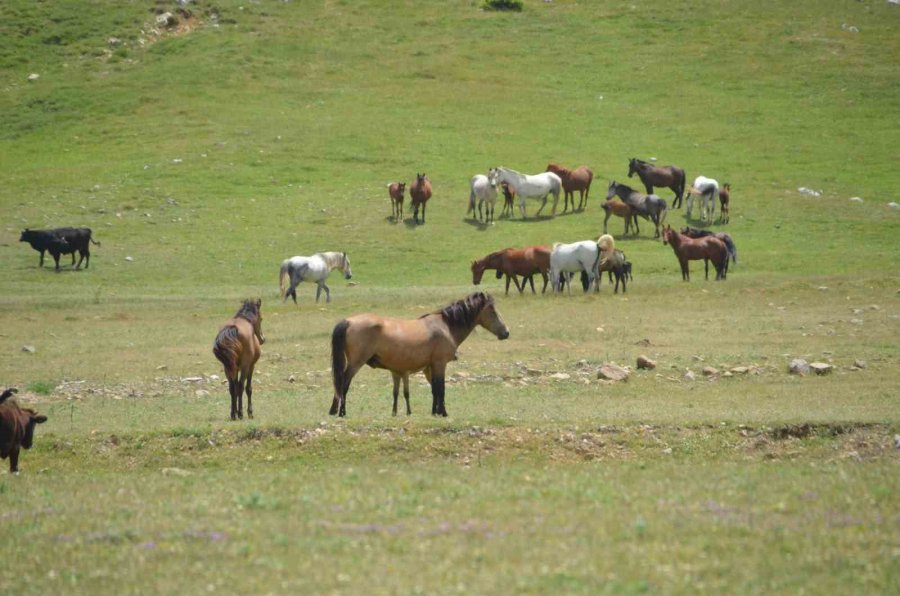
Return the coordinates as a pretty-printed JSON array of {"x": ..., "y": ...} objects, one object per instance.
[
  {"x": 509, "y": 193},
  {"x": 408, "y": 346},
  {"x": 620, "y": 209},
  {"x": 665, "y": 176},
  {"x": 515, "y": 261},
  {"x": 725, "y": 200},
  {"x": 396, "y": 191},
  {"x": 578, "y": 179},
  {"x": 419, "y": 193},
  {"x": 237, "y": 346},
  {"x": 708, "y": 248}
]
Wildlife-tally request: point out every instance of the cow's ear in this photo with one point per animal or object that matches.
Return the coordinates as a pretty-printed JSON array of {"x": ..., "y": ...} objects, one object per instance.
[{"x": 39, "y": 419}]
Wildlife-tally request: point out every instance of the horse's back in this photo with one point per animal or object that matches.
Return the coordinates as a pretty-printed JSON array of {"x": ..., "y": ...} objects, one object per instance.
[{"x": 402, "y": 345}]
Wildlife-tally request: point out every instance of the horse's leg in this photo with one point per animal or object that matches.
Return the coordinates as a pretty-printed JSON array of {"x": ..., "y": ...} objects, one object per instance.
[
  {"x": 437, "y": 388},
  {"x": 531, "y": 281},
  {"x": 608, "y": 215},
  {"x": 348, "y": 376},
  {"x": 406, "y": 393},
  {"x": 423, "y": 212},
  {"x": 543, "y": 204},
  {"x": 318, "y": 290},
  {"x": 249, "y": 391},
  {"x": 706, "y": 268},
  {"x": 507, "y": 284},
  {"x": 232, "y": 388},
  {"x": 544, "y": 275},
  {"x": 327, "y": 292},
  {"x": 240, "y": 396},
  {"x": 522, "y": 205},
  {"x": 396, "y": 377},
  {"x": 685, "y": 271}
]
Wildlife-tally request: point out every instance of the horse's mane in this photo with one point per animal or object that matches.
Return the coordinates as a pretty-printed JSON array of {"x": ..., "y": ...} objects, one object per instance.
[
  {"x": 462, "y": 313},
  {"x": 249, "y": 310}
]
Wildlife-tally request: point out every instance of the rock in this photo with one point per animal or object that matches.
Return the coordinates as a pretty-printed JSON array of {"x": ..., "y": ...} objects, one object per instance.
[
  {"x": 697, "y": 358},
  {"x": 166, "y": 19},
  {"x": 645, "y": 363},
  {"x": 860, "y": 364},
  {"x": 33, "y": 77},
  {"x": 821, "y": 368},
  {"x": 893, "y": 205},
  {"x": 191, "y": 379},
  {"x": 727, "y": 374},
  {"x": 175, "y": 472},
  {"x": 560, "y": 376},
  {"x": 856, "y": 200},
  {"x": 29, "y": 349},
  {"x": 740, "y": 370},
  {"x": 709, "y": 371},
  {"x": 201, "y": 392},
  {"x": 613, "y": 372},
  {"x": 643, "y": 342},
  {"x": 856, "y": 321},
  {"x": 689, "y": 376},
  {"x": 291, "y": 379},
  {"x": 162, "y": 367},
  {"x": 809, "y": 192},
  {"x": 896, "y": 441},
  {"x": 129, "y": 259},
  {"x": 113, "y": 41},
  {"x": 799, "y": 366}
]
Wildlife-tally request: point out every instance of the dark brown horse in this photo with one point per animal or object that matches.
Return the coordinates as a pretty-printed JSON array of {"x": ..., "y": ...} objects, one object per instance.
[
  {"x": 405, "y": 346},
  {"x": 578, "y": 179},
  {"x": 723, "y": 236},
  {"x": 396, "y": 190},
  {"x": 237, "y": 346},
  {"x": 725, "y": 201},
  {"x": 513, "y": 262},
  {"x": 664, "y": 176},
  {"x": 509, "y": 193},
  {"x": 707, "y": 248},
  {"x": 419, "y": 193}
]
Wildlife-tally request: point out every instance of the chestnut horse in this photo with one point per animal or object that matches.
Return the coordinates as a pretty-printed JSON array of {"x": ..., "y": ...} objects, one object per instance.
[
  {"x": 419, "y": 193},
  {"x": 515, "y": 261},
  {"x": 620, "y": 209},
  {"x": 707, "y": 248},
  {"x": 665, "y": 176},
  {"x": 396, "y": 191},
  {"x": 723, "y": 236},
  {"x": 725, "y": 201},
  {"x": 578, "y": 179},
  {"x": 509, "y": 193},
  {"x": 237, "y": 346},
  {"x": 408, "y": 346}
]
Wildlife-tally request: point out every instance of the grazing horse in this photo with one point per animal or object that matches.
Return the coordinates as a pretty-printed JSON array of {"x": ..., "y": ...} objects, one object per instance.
[
  {"x": 663, "y": 176},
  {"x": 509, "y": 193},
  {"x": 651, "y": 207},
  {"x": 484, "y": 189},
  {"x": 408, "y": 346},
  {"x": 707, "y": 188},
  {"x": 707, "y": 248},
  {"x": 578, "y": 179},
  {"x": 538, "y": 186},
  {"x": 419, "y": 193},
  {"x": 396, "y": 191},
  {"x": 237, "y": 346},
  {"x": 314, "y": 268},
  {"x": 725, "y": 201},
  {"x": 620, "y": 209},
  {"x": 723, "y": 236},
  {"x": 515, "y": 261}
]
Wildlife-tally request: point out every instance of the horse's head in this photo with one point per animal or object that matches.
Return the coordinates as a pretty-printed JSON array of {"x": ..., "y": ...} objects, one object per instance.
[
  {"x": 611, "y": 191},
  {"x": 667, "y": 233},
  {"x": 489, "y": 318},
  {"x": 478, "y": 268},
  {"x": 251, "y": 310},
  {"x": 493, "y": 177},
  {"x": 632, "y": 166},
  {"x": 345, "y": 266}
]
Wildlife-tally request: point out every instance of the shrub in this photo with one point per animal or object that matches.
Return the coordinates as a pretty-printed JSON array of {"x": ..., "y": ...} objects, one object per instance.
[{"x": 515, "y": 5}]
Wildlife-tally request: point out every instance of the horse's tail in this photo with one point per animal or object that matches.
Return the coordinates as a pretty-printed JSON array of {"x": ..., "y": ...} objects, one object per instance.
[
  {"x": 663, "y": 213},
  {"x": 94, "y": 241},
  {"x": 681, "y": 186},
  {"x": 732, "y": 249},
  {"x": 338, "y": 357},
  {"x": 7, "y": 393},
  {"x": 284, "y": 277},
  {"x": 471, "y": 202},
  {"x": 226, "y": 348}
]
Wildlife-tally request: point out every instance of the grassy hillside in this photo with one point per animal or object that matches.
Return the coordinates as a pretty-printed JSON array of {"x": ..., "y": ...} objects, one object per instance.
[{"x": 204, "y": 154}]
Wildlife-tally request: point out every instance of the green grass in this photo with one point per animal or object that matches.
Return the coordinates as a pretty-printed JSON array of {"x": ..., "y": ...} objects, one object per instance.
[{"x": 210, "y": 155}]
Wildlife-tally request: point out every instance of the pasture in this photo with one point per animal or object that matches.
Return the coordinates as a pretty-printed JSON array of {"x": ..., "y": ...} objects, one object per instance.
[{"x": 205, "y": 155}]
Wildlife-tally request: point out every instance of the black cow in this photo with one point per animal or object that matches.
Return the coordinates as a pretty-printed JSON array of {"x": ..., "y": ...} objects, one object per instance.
[
  {"x": 16, "y": 429},
  {"x": 59, "y": 241}
]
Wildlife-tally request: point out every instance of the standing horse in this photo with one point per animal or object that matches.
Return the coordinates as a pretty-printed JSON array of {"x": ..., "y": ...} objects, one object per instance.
[
  {"x": 725, "y": 201},
  {"x": 237, "y": 346},
  {"x": 664, "y": 176},
  {"x": 315, "y": 268},
  {"x": 723, "y": 236},
  {"x": 484, "y": 189},
  {"x": 647, "y": 206},
  {"x": 575, "y": 257},
  {"x": 515, "y": 261},
  {"x": 538, "y": 186},
  {"x": 616, "y": 207},
  {"x": 408, "y": 346},
  {"x": 509, "y": 193},
  {"x": 707, "y": 188},
  {"x": 578, "y": 179},
  {"x": 396, "y": 191},
  {"x": 419, "y": 193},
  {"x": 707, "y": 248}
]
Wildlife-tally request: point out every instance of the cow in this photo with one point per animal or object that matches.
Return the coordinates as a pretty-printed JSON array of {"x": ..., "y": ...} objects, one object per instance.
[
  {"x": 59, "y": 241},
  {"x": 16, "y": 429}
]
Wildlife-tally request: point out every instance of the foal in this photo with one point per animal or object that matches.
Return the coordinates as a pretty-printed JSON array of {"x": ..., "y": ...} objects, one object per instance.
[{"x": 725, "y": 200}]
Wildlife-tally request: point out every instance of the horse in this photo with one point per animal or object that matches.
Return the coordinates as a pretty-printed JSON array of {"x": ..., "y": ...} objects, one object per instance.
[
  {"x": 707, "y": 188},
  {"x": 671, "y": 177},
  {"x": 723, "y": 236},
  {"x": 485, "y": 190},
  {"x": 578, "y": 179},
  {"x": 396, "y": 191},
  {"x": 509, "y": 193},
  {"x": 237, "y": 347},
  {"x": 405, "y": 346},
  {"x": 419, "y": 193},
  {"x": 620, "y": 209},
  {"x": 651, "y": 207},
  {"x": 314, "y": 268},
  {"x": 725, "y": 201},
  {"x": 538, "y": 186},
  {"x": 616, "y": 266},
  {"x": 574, "y": 257},
  {"x": 707, "y": 248},
  {"x": 515, "y": 261}
]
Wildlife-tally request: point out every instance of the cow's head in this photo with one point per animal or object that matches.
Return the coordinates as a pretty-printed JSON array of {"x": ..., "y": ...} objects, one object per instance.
[{"x": 33, "y": 418}]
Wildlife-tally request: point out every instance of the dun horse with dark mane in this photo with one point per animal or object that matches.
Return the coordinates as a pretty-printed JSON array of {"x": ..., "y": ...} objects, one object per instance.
[
  {"x": 237, "y": 346},
  {"x": 405, "y": 346}
]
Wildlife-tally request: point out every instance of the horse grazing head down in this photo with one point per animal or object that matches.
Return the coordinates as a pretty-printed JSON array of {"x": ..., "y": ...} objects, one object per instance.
[
  {"x": 478, "y": 271},
  {"x": 345, "y": 266}
]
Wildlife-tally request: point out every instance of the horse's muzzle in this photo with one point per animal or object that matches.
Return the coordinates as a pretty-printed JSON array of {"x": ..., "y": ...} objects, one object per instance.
[
  {"x": 347, "y": 276},
  {"x": 503, "y": 334}
]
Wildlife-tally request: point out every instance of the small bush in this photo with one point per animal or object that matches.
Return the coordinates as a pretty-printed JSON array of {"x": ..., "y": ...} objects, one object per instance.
[
  {"x": 515, "y": 5},
  {"x": 40, "y": 387}
]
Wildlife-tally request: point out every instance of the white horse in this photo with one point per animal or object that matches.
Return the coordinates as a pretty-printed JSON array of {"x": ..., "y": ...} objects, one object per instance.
[
  {"x": 537, "y": 186},
  {"x": 575, "y": 257},
  {"x": 708, "y": 189},
  {"x": 484, "y": 189},
  {"x": 315, "y": 268}
]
